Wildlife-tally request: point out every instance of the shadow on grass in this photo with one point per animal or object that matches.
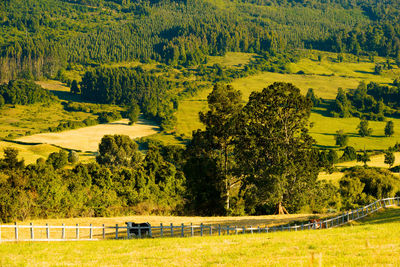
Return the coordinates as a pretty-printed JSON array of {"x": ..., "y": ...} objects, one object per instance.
[
  {"x": 364, "y": 72},
  {"x": 389, "y": 215},
  {"x": 67, "y": 96}
]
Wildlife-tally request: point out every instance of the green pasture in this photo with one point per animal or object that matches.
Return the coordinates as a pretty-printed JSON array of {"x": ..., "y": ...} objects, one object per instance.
[
  {"x": 231, "y": 59},
  {"x": 373, "y": 241},
  {"x": 325, "y": 78}
]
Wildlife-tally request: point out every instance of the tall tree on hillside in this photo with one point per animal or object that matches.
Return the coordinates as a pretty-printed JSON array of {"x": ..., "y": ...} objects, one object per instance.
[
  {"x": 224, "y": 105},
  {"x": 274, "y": 148},
  {"x": 74, "y": 87}
]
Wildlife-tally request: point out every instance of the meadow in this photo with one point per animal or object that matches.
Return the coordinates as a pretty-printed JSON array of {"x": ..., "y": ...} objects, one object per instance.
[
  {"x": 87, "y": 139},
  {"x": 374, "y": 240},
  {"x": 325, "y": 77}
]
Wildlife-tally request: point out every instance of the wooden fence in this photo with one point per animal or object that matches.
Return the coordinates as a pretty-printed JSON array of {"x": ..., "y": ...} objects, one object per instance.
[{"x": 77, "y": 232}]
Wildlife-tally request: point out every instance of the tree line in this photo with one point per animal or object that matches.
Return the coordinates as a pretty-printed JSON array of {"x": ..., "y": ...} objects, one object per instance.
[{"x": 131, "y": 87}]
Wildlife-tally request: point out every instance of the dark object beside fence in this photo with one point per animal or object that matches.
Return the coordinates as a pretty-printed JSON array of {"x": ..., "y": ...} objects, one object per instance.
[{"x": 139, "y": 229}]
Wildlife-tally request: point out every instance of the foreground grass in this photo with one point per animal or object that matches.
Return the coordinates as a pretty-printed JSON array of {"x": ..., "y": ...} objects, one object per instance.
[{"x": 375, "y": 241}]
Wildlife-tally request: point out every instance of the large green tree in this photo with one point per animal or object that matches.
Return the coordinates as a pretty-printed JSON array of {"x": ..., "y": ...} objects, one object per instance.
[
  {"x": 274, "y": 149},
  {"x": 224, "y": 104},
  {"x": 117, "y": 150}
]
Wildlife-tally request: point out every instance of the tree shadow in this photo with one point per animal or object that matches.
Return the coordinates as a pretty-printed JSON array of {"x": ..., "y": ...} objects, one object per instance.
[
  {"x": 364, "y": 72},
  {"x": 322, "y": 112},
  {"x": 389, "y": 215},
  {"x": 68, "y": 96}
]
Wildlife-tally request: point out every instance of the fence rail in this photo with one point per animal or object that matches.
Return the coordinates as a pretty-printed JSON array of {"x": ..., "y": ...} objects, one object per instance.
[{"x": 77, "y": 232}]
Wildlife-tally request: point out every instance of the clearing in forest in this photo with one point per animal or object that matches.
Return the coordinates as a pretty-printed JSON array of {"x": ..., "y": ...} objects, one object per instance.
[{"x": 88, "y": 138}]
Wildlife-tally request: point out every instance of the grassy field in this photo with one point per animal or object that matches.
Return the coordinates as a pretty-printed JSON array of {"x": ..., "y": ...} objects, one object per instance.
[
  {"x": 325, "y": 77},
  {"x": 88, "y": 138},
  {"x": 373, "y": 241},
  {"x": 18, "y": 120},
  {"x": 30, "y": 153}
]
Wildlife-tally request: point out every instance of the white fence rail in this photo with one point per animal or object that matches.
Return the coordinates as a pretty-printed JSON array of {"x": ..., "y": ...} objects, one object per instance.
[{"x": 77, "y": 232}]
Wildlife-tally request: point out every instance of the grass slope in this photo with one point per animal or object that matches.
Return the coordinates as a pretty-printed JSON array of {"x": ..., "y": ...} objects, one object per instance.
[
  {"x": 88, "y": 138},
  {"x": 374, "y": 241},
  {"x": 325, "y": 77}
]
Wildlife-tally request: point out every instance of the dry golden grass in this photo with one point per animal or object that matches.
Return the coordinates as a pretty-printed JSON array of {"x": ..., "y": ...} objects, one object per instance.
[
  {"x": 88, "y": 138},
  {"x": 30, "y": 153},
  {"x": 53, "y": 85}
]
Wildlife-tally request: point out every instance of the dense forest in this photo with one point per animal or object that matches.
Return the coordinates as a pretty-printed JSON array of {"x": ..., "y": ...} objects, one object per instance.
[
  {"x": 123, "y": 86},
  {"x": 38, "y": 38}
]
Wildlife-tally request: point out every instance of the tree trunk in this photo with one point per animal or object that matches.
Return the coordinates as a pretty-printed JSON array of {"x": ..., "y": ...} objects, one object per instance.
[{"x": 280, "y": 209}]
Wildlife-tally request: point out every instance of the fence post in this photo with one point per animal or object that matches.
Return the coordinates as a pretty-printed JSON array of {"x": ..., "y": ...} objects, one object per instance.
[
  {"x": 295, "y": 227},
  {"x": 219, "y": 229},
  {"x": 227, "y": 230},
  {"x": 201, "y": 229},
  {"x": 210, "y": 230},
  {"x": 16, "y": 231},
  {"x": 116, "y": 231},
  {"x": 182, "y": 230},
  {"x": 104, "y": 232},
  {"x": 0, "y": 233},
  {"x": 244, "y": 230},
  {"x": 236, "y": 232},
  {"x": 251, "y": 229},
  {"x": 172, "y": 229},
  {"x": 150, "y": 231},
  {"x": 282, "y": 228},
  {"x": 191, "y": 229},
  {"x": 302, "y": 226},
  {"x": 47, "y": 231},
  {"x": 32, "y": 233},
  {"x": 267, "y": 228},
  {"x": 128, "y": 231},
  {"x": 91, "y": 232},
  {"x": 326, "y": 224},
  {"x": 259, "y": 230},
  {"x": 161, "y": 230},
  {"x": 63, "y": 231},
  {"x": 139, "y": 231},
  {"x": 358, "y": 213}
]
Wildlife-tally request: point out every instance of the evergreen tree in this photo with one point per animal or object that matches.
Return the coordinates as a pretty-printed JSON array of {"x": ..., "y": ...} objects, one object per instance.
[
  {"x": 74, "y": 87},
  {"x": 224, "y": 105},
  {"x": 133, "y": 112}
]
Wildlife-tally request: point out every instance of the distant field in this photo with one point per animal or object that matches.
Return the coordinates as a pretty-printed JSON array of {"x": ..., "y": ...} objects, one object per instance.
[
  {"x": 373, "y": 241},
  {"x": 231, "y": 59},
  {"x": 88, "y": 138}
]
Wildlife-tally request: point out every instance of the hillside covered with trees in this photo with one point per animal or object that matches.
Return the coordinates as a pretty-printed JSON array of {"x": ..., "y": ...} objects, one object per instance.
[{"x": 41, "y": 37}]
